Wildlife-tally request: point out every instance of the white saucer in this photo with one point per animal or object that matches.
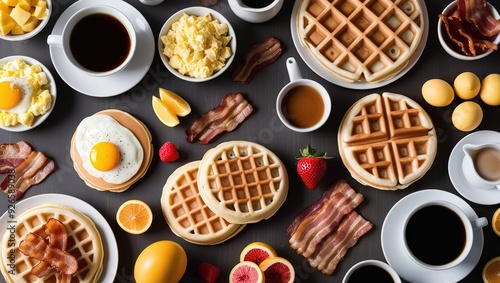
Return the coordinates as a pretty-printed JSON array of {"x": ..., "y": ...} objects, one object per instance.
[
  {"x": 108, "y": 237},
  {"x": 479, "y": 196},
  {"x": 119, "y": 82},
  {"x": 329, "y": 76},
  {"x": 399, "y": 259}
]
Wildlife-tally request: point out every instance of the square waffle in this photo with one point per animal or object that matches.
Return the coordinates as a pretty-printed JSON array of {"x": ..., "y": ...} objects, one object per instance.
[
  {"x": 361, "y": 40},
  {"x": 187, "y": 214},
  {"x": 387, "y": 141},
  {"x": 84, "y": 243},
  {"x": 242, "y": 181}
]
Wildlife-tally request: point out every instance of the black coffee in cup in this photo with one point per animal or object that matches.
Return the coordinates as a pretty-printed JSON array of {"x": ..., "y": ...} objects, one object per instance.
[
  {"x": 435, "y": 235},
  {"x": 370, "y": 273},
  {"x": 257, "y": 3}
]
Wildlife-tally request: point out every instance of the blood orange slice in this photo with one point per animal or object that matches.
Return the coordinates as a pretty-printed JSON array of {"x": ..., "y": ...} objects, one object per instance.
[
  {"x": 257, "y": 252},
  {"x": 278, "y": 270},
  {"x": 246, "y": 272}
]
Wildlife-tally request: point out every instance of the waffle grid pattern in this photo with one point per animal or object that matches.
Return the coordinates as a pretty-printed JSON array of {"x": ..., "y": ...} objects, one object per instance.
[{"x": 360, "y": 40}]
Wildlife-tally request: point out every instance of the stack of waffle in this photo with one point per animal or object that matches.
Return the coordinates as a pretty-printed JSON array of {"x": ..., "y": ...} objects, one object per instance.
[{"x": 236, "y": 183}]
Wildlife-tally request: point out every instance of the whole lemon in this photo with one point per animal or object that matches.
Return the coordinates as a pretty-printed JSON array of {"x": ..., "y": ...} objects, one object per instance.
[
  {"x": 490, "y": 91},
  {"x": 161, "y": 262},
  {"x": 467, "y": 116},
  {"x": 438, "y": 92},
  {"x": 467, "y": 85}
]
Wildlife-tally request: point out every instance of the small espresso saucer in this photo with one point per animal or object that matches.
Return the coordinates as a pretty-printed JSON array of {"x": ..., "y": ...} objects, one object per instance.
[
  {"x": 479, "y": 196},
  {"x": 117, "y": 83},
  {"x": 396, "y": 256}
]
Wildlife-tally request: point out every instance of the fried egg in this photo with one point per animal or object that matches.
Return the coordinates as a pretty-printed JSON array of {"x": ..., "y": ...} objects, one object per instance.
[
  {"x": 15, "y": 95},
  {"x": 108, "y": 150}
]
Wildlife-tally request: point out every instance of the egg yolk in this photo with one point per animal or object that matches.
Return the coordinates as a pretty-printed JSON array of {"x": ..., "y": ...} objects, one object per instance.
[
  {"x": 10, "y": 95},
  {"x": 104, "y": 156}
]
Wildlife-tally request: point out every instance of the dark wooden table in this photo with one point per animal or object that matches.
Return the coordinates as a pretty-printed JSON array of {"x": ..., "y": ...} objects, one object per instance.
[{"x": 53, "y": 138}]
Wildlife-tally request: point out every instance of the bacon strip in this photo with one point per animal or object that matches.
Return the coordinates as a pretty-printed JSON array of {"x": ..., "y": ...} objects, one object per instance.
[
  {"x": 11, "y": 155},
  {"x": 33, "y": 170},
  {"x": 58, "y": 238},
  {"x": 476, "y": 12},
  {"x": 231, "y": 112},
  {"x": 257, "y": 57}
]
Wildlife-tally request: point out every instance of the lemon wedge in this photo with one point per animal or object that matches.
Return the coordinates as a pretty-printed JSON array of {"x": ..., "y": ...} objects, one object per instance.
[
  {"x": 163, "y": 112},
  {"x": 176, "y": 103}
]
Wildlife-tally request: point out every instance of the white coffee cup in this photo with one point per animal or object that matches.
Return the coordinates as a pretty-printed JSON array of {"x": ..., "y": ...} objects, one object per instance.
[
  {"x": 258, "y": 14},
  {"x": 422, "y": 229},
  {"x": 63, "y": 40},
  {"x": 372, "y": 262},
  {"x": 296, "y": 80},
  {"x": 481, "y": 165}
]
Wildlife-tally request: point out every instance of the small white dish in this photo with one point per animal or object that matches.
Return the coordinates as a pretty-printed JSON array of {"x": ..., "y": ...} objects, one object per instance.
[
  {"x": 110, "y": 261},
  {"x": 117, "y": 83},
  {"x": 398, "y": 259},
  {"x": 443, "y": 36},
  {"x": 41, "y": 25},
  {"x": 255, "y": 15},
  {"x": 51, "y": 87},
  {"x": 197, "y": 11},
  {"x": 457, "y": 178}
]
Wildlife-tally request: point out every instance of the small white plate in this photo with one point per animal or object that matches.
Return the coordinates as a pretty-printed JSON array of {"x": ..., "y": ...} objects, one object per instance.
[
  {"x": 51, "y": 87},
  {"x": 398, "y": 259},
  {"x": 329, "y": 76},
  {"x": 479, "y": 196},
  {"x": 114, "y": 84},
  {"x": 108, "y": 237}
]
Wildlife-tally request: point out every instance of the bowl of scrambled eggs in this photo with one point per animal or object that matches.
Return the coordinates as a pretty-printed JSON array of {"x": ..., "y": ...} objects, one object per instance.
[
  {"x": 197, "y": 44},
  {"x": 27, "y": 93},
  {"x": 22, "y": 19}
]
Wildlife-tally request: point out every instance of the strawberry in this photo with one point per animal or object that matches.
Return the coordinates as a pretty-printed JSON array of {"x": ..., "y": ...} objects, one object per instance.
[
  {"x": 311, "y": 166},
  {"x": 210, "y": 273},
  {"x": 168, "y": 152}
]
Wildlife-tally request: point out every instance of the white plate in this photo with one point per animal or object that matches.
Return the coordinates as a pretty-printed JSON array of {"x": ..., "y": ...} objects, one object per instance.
[
  {"x": 108, "y": 237},
  {"x": 392, "y": 245},
  {"x": 480, "y": 196},
  {"x": 329, "y": 76},
  {"x": 51, "y": 87},
  {"x": 117, "y": 83}
]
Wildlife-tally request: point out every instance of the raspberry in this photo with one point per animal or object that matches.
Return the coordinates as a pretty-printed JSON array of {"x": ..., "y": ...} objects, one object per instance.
[{"x": 168, "y": 152}]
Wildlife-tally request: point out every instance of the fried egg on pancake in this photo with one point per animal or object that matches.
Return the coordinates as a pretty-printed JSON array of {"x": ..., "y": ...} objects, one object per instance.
[{"x": 107, "y": 149}]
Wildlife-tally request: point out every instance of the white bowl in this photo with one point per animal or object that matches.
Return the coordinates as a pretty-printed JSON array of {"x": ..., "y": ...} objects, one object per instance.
[
  {"x": 39, "y": 27},
  {"x": 51, "y": 86},
  {"x": 255, "y": 15},
  {"x": 197, "y": 11},
  {"x": 443, "y": 35}
]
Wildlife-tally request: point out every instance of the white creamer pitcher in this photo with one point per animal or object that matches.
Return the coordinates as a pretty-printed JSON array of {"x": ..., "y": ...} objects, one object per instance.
[{"x": 474, "y": 166}]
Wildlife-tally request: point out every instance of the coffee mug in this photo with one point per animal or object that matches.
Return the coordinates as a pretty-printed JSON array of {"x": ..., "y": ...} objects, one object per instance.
[
  {"x": 438, "y": 235},
  {"x": 303, "y": 105},
  {"x": 97, "y": 40},
  {"x": 371, "y": 270},
  {"x": 481, "y": 165}
]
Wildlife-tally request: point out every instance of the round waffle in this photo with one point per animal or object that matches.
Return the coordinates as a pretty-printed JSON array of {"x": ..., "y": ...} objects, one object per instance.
[
  {"x": 242, "y": 181},
  {"x": 387, "y": 141},
  {"x": 361, "y": 40},
  {"x": 140, "y": 131},
  {"x": 84, "y": 243},
  {"x": 187, "y": 214}
]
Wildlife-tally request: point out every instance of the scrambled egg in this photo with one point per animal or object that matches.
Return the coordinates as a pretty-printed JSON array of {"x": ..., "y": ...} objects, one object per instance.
[
  {"x": 41, "y": 99},
  {"x": 197, "y": 46}
]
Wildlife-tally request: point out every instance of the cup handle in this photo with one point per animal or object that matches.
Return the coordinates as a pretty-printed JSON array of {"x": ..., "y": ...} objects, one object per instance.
[
  {"x": 54, "y": 40},
  {"x": 479, "y": 223},
  {"x": 293, "y": 69}
]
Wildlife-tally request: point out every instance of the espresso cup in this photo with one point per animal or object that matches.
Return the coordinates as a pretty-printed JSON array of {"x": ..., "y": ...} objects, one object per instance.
[
  {"x": 481, "y": 165},
  {"x": 303, "y": 105},
  {"x": 256, "y": 11},
  {"x": 371, "y": 270},
  {"x": 97, "y": 40},
  {"x": 438, "y": 235}
]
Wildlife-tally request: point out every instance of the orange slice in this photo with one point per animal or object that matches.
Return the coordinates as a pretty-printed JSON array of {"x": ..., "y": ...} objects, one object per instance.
[
  {"x": 246, "y": 271},
  {"x": 134, "y": 216},
  {"x": 491, "y": 271},
  {"x": 278, "y": 270},
  {"x": 176, "y": 103},
  {"x": 495, "y": 222},
  {"x": 257, "y": 252},
  {"x": 166, "y": 116}
]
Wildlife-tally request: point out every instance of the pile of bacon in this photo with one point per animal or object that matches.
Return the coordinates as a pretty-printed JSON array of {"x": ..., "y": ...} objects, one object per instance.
[
  {"x": 472, "y": 27},
  {"x": 50, "y": 251},
  {"x": 23, "y": 167},
  {"x": 326, "y": 230}
]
